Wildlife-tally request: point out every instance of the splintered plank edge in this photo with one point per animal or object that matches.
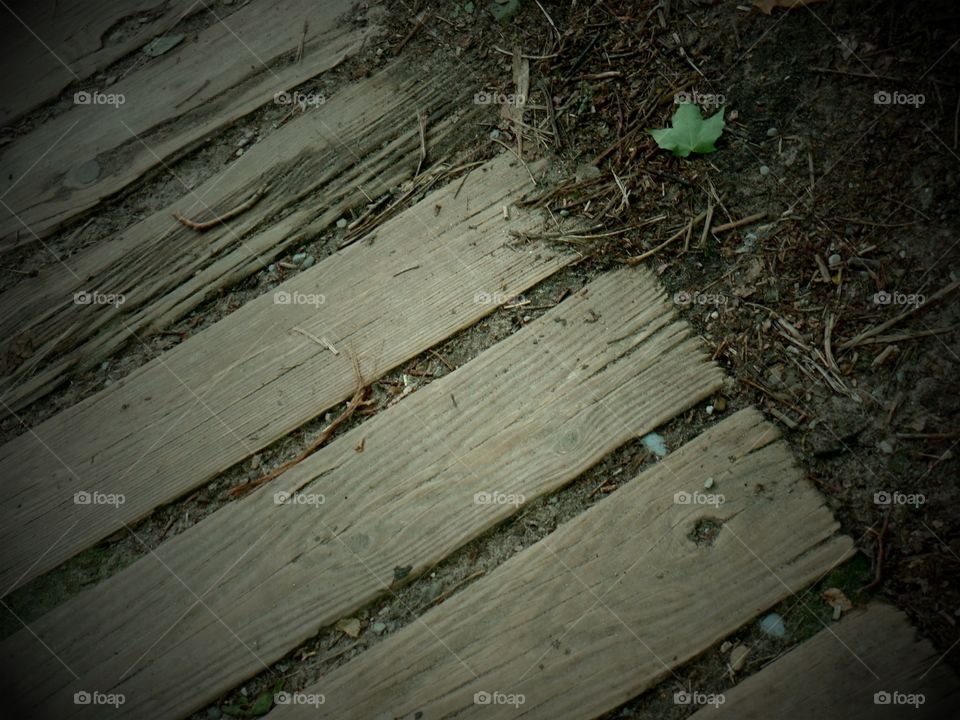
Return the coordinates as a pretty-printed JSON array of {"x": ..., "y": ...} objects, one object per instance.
[{"x": 249, "y": 379}]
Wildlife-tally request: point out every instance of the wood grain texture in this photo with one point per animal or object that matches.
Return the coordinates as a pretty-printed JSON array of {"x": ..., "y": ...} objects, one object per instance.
[
  {"x": 835, "y": 675},
  {"x": 248, "y": 380},
  {"x": 170, "y": 104},
  {"x": 48, "y": 46},
  {"x": 608, "y": 604},
  {"x": 524, "y": 418},
  {"x": 360, "y": 143}
]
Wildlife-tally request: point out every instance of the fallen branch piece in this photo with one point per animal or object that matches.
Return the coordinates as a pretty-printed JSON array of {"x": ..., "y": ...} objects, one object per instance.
[{"x": 229, "y": 215}]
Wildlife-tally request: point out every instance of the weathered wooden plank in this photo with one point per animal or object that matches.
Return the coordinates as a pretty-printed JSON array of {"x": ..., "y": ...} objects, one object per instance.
[
  {"x": 248, "y": 380},
  {"x": 68, "y": 165},
  {"x": 869, "y": 666},
  {"x": 359, "y": 143},
  {"x": 609, "y": 603},
  {"x": 524, "y": 418},
  {"x": 48, "y": 46}
]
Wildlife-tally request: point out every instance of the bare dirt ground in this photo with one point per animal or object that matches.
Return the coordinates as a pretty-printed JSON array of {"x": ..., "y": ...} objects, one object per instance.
[{"x": 824, "y": 309}]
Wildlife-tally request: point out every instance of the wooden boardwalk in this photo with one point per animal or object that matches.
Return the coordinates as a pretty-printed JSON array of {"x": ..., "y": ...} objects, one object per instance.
[{"x": 608, "y": 605}]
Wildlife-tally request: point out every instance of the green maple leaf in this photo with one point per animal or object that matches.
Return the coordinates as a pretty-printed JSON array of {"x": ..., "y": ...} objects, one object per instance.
[{"x": 690, "y": 132}]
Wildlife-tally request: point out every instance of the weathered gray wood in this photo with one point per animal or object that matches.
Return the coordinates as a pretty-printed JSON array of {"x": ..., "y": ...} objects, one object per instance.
[
  {"x": 171, "y": 103},
  {"x": 321, "y": 164},
  {"x": 612, "y": 601},
  {"x": 525, "y": 417},
  {"x": 836, "y": 674},
  {"x": 50, "y": 45},
  {"x": 248, "y": 380}
]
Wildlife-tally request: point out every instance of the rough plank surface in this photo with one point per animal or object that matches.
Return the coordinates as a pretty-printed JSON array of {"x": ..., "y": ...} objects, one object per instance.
[
  {"x": 201, "y": 85},
  {"x": 249, "y": 583},
  {"x": 248, "y": 380},
  {"x": 54, "y": 44},
  {"x": 605, "y": 606},
  {"x": 360, "y": 143},
  {"x": 836, "y": 674}
]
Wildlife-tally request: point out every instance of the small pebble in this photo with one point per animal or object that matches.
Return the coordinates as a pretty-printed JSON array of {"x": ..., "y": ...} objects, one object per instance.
[
  {"x": 764, "y": 170},
  {"x": 308, "y": 261},
  {"x": 378, "y": 628},
  {"x": 708, "y": 483},
  {"x": 342, "y": 223},
  {"x": 773, "y": 625},
  {"x": 271, "y": 267},
  {"x": 738, "y": 658},
  {"x": 885, "y": 447},
  {"x": 709, "y": 409},
  {"x": 834, "y": 260},
  {"x": 772, "y": 132},
  {"x": 494, "y": 134},
  {"x": 299, "y": 258}
]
